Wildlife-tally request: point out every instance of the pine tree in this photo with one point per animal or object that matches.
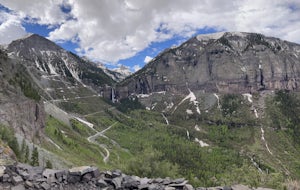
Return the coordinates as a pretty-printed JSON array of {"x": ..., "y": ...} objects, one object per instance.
[
  {"x": 13, "y": 144},
  {"x": 49, "y": 164},
  {"x": 35, "y": 157},
  {"x": 26, "y": 158},
  {"x": 23, "y": 149}
]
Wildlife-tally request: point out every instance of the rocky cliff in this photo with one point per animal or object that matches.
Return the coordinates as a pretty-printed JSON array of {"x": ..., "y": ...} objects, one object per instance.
[
  {"x": 20, "y": 104},
  {"x": 221, "y": 62},
  {"x": 26, "y": 117}
]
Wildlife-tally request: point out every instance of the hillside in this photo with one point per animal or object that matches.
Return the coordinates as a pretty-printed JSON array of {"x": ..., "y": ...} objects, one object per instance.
[{"x": 218, "y": 110}]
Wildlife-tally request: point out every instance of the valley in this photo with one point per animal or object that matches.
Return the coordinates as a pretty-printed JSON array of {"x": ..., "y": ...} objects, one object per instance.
[{"x": 218, "y": 111}]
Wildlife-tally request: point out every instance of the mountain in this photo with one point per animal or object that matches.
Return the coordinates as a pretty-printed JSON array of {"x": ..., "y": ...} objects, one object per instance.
[
  {"x": 51, "y": 66},
  {"x": 118, "y": 74},
  {"x": 221, "y": 62},
  {"x": 220, "y": 109}
]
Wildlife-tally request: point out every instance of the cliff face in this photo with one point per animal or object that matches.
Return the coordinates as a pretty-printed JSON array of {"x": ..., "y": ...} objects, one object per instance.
[
  {"x": 221, "y": 62},
  {"x": 26, "y": 117},
  {"x": 19, "y": 106}
]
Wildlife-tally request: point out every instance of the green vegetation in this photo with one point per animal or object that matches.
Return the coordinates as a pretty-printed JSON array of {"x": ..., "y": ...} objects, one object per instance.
[
  {"x": 24, "y": 156},
  {"x": 74, "y": 145},
  {"x": 283, "y": 112},
  {"x": 23, "y": 81},
  {"x": 140, "y": 143},
  {"x": 49, "y": 164},
  {"x": 129, "y": 104},
  {"x": 7, "y": 135},
  {"x": 34, "y": 157}
]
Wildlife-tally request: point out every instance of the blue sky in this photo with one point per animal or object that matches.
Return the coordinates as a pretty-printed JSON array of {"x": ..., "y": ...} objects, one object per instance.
[{"x": 128, "y": 31}]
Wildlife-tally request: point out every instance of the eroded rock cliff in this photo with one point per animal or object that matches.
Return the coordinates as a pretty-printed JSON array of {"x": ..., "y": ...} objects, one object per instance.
[{"x": 221, "y": 62}]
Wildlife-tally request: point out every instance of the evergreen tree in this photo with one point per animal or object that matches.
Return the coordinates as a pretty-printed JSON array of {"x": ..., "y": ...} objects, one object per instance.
[
  {"x": 49, "y": 164},
  {"x": 23, "y": 149},
  {"x": 35, "y": 157},
  {"x": 14, "y": 145},
  {"x": 26, "y": 158}
]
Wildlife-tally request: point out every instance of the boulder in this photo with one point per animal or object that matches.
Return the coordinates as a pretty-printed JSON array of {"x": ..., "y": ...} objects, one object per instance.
[
  {"x": 87, "y": 177},
  {"x": 5, "y": 178},
  {"x": 18, "y": 187},
  {"x": 80, "y": 170},
  {"x": 101, "y": 183},
  {"x": 45, "y": 186},
  {"x": 95, "y": 172},
  {"x": 74, "y": 178},
  {"x": 130, "y": 182},
  {"x": 2, "y": 169},
  {"x": 116, "y": 173},
  {"x": 169, "y": 188},
  {"x": 188, "y": 187},
  {"x": 16, "y": 180},
  {"x": 117, "y": 182},
  {"x": 28, "y": 184}
]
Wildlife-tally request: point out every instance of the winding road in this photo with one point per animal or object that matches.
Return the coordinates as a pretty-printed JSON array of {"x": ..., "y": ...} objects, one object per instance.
[{"x": 92, "y": 139}]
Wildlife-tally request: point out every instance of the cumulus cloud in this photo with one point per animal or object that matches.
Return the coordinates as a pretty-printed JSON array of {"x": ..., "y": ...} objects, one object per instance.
[
  {"x": 136, "y": 68},
  {"x": 10, "y": 28},
  {"x": 147, "y": 59},
  {"x": 37, "y": 11},
  {"x": 112, "y": 30}
]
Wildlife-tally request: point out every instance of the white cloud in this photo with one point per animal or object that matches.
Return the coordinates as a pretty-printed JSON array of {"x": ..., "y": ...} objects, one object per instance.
[
  {"x": 41, "y": 12},
  {"x": 147, "y": 59},
  {"x": 136, "y": 68},
  {"x": 10, "y": 28},
  {"x": 112, "y": 30}
]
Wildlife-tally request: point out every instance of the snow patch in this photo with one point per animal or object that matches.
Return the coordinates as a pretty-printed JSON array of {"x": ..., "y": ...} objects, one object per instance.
[
  {"x": 218, "y": 99},
  {"x": 56, "y": 145},
  {"x": 201, "y": 143},
  {"x": 263, "y": 139},
  {"x": 193, "y": 100},
  {"x": 168, "y": 106},
  {"x": 160, "y": 92},
  {"x": 90, "y": 125},
  {"x": 255, "y": 113},
  {"x": 52, "y": 69},
  {"x": 143, "y": 95},
  {"x": 188, "y": 134},
  {"x": 197, "y": 128},
  {"x": 166, "y": 119},
  {"x": 189, "y": 112},
  {"x": 153, "y": 106},
  {"x": 248, "y": 96}
]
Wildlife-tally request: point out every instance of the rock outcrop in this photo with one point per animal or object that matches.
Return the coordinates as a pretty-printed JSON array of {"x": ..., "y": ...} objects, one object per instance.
[
  {"x": 21, "y": 176},
  {"x": 26, "y": 117},
  {"x": 222, "y": 62}
]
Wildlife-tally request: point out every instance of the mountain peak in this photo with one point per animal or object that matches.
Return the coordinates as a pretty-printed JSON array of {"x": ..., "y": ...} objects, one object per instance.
[
  {"x": 34, "y": 41},
  {"x": 218, "y": 35},
  {"x": 224, "y": 62}
]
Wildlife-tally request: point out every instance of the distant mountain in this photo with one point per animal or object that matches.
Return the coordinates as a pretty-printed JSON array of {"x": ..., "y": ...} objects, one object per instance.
[
  {"x": 220, "y": 62},
  {"x": 118, "y": 74}
]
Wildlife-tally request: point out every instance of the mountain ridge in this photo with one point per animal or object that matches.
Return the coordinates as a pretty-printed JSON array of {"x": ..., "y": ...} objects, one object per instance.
[{"x": 229, "y": 62}]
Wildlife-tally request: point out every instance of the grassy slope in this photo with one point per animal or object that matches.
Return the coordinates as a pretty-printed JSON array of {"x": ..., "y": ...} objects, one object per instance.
[{"x": 144, "y": 141}]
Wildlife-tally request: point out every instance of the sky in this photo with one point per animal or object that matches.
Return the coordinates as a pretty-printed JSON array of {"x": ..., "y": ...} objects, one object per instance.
[{"x": 132, "y": 32}]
